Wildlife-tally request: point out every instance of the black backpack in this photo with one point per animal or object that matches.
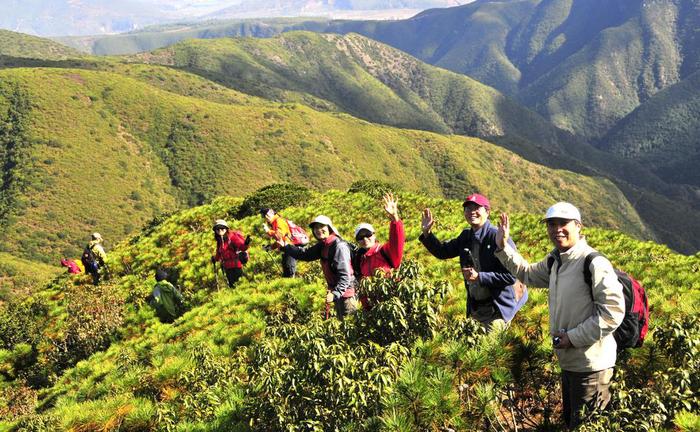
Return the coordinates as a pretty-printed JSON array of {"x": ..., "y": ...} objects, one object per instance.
[{"x": 89, "y": 259}]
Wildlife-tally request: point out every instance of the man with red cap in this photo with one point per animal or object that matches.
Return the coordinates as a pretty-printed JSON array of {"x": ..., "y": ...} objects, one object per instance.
[{"x": 494, "y": 295}]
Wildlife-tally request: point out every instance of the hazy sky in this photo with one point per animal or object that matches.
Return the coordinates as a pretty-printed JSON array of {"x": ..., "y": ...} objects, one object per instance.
[{"x": 87, "y": 17}]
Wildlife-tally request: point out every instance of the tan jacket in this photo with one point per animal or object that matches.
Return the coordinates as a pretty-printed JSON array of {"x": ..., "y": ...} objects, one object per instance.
[
  {"x": 589, "y": 319},
  {"x": 98, "y": 250}
]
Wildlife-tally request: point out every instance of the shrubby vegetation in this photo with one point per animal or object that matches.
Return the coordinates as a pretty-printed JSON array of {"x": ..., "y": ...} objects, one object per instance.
[
  {"x": 261, "y": 356},
  {"x": 276, "y": 196}
]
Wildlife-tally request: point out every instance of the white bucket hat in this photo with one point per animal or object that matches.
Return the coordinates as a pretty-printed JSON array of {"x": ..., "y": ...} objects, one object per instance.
[
  {"x": 563, "y": 210},
  {"x": 364, "y": 226},
  {"x": 96, "y": 236},
  {"x": 324, "y": 220}
]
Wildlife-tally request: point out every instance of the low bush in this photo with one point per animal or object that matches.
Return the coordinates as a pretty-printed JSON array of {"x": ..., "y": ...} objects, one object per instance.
[
  {"x": 373, "y": 188},
  {"x": 277, "y": 196}
]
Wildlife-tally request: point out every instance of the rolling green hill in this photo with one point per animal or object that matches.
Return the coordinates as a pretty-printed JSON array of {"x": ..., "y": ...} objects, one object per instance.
[
  {"x": 14, "y": 44},
  {"x": 664, "y": 133},
  {"x": 101, "y": 151},
  {"x": 259, "y": 357},
  {"x": 358, "y": 76}
]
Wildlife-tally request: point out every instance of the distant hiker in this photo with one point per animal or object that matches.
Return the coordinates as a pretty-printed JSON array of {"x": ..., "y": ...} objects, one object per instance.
[
  {"x": 582, "y": 316},
  {"x": 94, "y": 257},
  {"x": 283, "y": 228},
  {"x": 493, "y": 294},
  {"x": 72, "y": 266},
  {"x": 231, "y": 251},
  {"x": 335, "y": 255},
  {"x": 166, "y": 299},
  {"x": 373, "y": 256}
]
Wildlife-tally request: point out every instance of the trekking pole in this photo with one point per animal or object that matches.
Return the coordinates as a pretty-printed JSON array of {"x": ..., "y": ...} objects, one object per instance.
[{"x": 216, "y": 275}]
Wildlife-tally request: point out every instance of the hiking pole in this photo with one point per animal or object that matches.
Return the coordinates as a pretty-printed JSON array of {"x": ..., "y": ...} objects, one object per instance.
[{"x": 216, "y": 275}]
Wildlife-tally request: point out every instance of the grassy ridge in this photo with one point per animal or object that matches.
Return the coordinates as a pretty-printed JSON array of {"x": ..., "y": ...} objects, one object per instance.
[
  {"x": 192, "y": 375},
  {"x": 21, "y": 45},
  {"x": 151, "y": 150}
]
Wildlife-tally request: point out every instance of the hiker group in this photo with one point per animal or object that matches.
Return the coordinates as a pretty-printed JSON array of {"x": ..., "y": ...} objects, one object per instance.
[{"x": 594, "y": 309}]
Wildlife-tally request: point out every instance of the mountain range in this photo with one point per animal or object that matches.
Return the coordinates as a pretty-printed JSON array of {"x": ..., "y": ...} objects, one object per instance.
[
  {"x": 295, "y": 71},
  {"x": 583, "y": 65}
]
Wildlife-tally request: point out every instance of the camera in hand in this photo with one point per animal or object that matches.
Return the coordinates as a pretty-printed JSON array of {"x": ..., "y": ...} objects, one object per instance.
[{"x": 468, "y": 258}]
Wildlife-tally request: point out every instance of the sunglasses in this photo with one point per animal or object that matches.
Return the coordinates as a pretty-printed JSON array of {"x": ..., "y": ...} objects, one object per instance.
[{"x": 361, "y": 236}]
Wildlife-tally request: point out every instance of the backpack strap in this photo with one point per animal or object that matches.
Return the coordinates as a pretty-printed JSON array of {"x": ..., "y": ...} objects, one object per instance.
[
  {"x": 387, "y": 257},
  {"x": 587, "y": 275},
  {"x": 550, "y": 263}
]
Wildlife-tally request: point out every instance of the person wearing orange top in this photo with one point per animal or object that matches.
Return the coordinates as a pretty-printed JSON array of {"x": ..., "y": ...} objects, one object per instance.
[{"x": 278, "y": 228}]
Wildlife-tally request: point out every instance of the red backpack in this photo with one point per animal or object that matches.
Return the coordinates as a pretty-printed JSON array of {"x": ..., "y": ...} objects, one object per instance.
[
  {"x": 299, "y": 236},
  {"x": 634, "y": 327}
]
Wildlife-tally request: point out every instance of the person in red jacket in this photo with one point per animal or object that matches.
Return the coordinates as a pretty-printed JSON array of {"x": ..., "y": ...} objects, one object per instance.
[
  {"x": 231, "y": 251},
  {"x": 71, "y": 265},
  {"x": 372, "y": 255}
]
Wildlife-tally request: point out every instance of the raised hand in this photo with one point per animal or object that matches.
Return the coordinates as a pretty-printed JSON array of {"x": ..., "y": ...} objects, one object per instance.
[
  {"x": 503, "y": 233},
  {"x": 391, "y": 206},
  {"x": 427, "y": 221}
]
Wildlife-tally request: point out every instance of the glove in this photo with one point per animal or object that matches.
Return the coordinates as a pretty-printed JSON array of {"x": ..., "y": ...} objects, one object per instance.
[
  {"x": 243, "y": 257},
  {"x": 330, "y": 297},
  {"x": 248, "y": 240},
  {"x": 213, "y": 260}
]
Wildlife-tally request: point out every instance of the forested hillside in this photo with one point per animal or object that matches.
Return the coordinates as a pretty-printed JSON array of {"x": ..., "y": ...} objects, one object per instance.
[
  {"x": 260, "y": 356},
  {"x": 664, "y": 133}
]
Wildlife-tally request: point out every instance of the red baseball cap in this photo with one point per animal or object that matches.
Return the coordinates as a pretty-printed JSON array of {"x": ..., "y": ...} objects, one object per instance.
[{"x": 477, "y": 199}]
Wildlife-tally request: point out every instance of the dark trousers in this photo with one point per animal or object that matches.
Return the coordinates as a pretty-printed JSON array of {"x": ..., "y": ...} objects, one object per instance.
[
  {"x": 289, "y": 265},
  {"x": 95, "y": 277},
  {"x": 579, "y": 389},
  {"x": 232, "y": 275}
]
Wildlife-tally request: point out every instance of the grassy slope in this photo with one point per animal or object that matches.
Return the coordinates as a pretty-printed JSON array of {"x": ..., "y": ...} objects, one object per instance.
[
  {"x": 20, "y": 277},
  {"x": 152, "y": 150},
  {"x": 664, "y": 132},
  {"x": 144, "y": 375},
  {"x": 21, "y": 45}
]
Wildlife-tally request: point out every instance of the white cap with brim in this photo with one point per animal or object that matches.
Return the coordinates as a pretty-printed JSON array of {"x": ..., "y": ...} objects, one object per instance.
[
  {"x": 563, "y": 210},
  {"x": 220, "y": 222},
  {"x": 324, "y": 220},
  {"x": 364, "y": 226}
]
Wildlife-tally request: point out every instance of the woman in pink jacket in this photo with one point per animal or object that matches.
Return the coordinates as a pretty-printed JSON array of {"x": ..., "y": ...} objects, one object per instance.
[{"x": 231, "y": 251}]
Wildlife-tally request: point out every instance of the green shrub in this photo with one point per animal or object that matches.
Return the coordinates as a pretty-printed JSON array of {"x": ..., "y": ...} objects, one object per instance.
[
  {"x": 373, "y": 188},
  {"x": 313, "y": 374},
  {"x": 276, "y": 196},
  {"x": 94, "y": 316}
]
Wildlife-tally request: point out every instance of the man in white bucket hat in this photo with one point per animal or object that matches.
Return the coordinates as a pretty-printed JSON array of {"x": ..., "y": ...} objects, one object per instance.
[
  {"x": 335, "y": 256},
  {"x": 582, "y": 317}
]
